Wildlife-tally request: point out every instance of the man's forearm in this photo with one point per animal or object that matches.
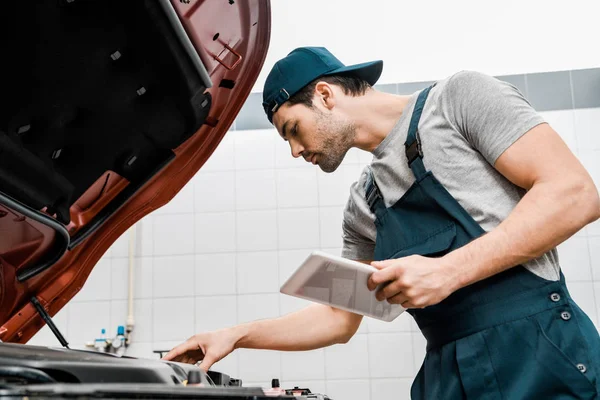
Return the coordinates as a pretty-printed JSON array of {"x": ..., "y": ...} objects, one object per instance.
[
  {"x": 313, "y": 327},
  {"x": 546, "y": 216}
]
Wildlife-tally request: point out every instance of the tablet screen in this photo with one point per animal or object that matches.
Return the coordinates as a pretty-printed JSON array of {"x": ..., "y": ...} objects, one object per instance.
[{"x": 341, "y": 283}]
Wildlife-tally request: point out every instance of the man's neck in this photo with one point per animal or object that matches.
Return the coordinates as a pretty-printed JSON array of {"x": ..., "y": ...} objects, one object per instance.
[{"x": 375, "y": 114}]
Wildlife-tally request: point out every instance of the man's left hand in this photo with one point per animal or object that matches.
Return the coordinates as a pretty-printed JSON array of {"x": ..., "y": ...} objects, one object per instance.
[{"x": 414, "y": 281}]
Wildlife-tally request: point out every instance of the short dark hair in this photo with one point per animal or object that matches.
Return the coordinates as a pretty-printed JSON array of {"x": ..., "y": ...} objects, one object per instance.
[{"x": 350, "y": 84}]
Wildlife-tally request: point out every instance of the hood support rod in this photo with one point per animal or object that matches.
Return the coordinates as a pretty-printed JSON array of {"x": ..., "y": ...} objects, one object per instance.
[{"x": 48, "y": 320}]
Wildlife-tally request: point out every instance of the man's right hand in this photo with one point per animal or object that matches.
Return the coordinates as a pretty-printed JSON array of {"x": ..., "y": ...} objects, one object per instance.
[
  {"x": 313, "y": 327},
  {"x": 208, "y": 347}
]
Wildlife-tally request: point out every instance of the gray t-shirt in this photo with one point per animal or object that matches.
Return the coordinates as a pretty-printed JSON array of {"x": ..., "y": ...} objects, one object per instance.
[{"x": 468, "y": 121}]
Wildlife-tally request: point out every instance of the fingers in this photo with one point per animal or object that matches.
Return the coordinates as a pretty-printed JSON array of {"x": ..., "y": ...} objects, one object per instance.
[
  {"x": 381, "y": 276},
  {"x": 400, "y": 298},
  {"x": 388, "y": 291},
  {"x": 382, "y": 264},
  {"x": 177, "y": 352},
  {"x": 208, "y": 362},
  {"x": 182, "y": 352}
]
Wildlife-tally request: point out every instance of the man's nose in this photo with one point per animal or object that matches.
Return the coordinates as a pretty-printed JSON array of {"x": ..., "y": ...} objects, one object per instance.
[{"x": 297, "y": 149}]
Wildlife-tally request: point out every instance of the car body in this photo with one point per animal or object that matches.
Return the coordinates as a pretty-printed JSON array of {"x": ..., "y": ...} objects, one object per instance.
[
  {"x": 110, "y": 108},
  {"x": 114, "y": 107}
]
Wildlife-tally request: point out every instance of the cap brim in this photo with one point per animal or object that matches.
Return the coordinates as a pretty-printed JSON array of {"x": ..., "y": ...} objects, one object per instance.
[{"x": 369, "y": 71}]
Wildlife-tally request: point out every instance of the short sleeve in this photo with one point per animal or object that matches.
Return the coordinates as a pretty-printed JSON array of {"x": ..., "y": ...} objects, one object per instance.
[
  {"x": 490, "y": 113},
  {"x": 358, "y": 225}
]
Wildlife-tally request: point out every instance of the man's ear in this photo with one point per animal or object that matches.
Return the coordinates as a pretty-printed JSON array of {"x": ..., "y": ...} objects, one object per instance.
[{"x": 324, "y": 95}]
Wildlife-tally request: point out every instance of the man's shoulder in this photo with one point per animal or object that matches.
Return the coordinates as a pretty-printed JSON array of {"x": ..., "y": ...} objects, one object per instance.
[
  {"x": 356, "y": 197},
  {"x": 466, "y": 82}
]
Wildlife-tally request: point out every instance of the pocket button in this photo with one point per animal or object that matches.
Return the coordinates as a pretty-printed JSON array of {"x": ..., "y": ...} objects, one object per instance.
[
  {"x": 555, "y": 297},
  {"x": 582, "y": 368},
  {"x": 565, "y": 315}
]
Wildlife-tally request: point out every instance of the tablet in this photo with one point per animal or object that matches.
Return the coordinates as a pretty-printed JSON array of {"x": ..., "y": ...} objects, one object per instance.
[{"x": 341, "y": 283}]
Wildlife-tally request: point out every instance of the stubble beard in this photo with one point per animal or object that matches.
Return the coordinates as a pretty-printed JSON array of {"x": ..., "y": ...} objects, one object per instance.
[{"x": 337, "y": 138}]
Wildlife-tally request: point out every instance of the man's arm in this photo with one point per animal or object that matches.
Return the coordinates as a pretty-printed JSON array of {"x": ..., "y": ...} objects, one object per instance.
[
  {"x": 313, "y": 327},
  {"x": 561, "y": 199}
]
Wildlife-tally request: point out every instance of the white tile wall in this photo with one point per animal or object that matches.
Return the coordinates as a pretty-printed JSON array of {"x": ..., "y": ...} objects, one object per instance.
[
  {"x": 330, "y": 225},
  {"x": 395, "y": 388},
  {"x": 215, "y": 274},
  {"x": 297, "y": 187},
  {"x": 257, "y": 306},
  {"x": 254, "y": 149},
  {"x": 574, "y": 259},
  {"x": 391, "y": 355},
  {"x": 594, "y": 247},
  {"x": 173, "y": 318},
  {"x": 257, "y": 272},
  {"x": 218, "y": 255},
  {"x": 257, "y": 230},
  {"x": 214, "y": 191},
  {"x": 588, "y": 129},
  {"x": 255, "y": 190},
  {"x": 173, "y": 234},
  {"x": 222, "y": 158},
  {"x": 142, "y": 275},
  {"x": 304, "y": 365},
  {"x": 334, "y": 188},
  {"x": 269, "y": 361},
  {"x": 97, "y": 285},
  {"x": 86, "y": 320},
  {"x": 169, "y": 267},
  {"x": 142, "y": 311},
  {"x": 298, "y": 228},
  {"x": 215, "y": 312},
  {"x": 563, "y": 122},
  {"x": 348, "y": 361},
  {"x": 216, "y": 232}
]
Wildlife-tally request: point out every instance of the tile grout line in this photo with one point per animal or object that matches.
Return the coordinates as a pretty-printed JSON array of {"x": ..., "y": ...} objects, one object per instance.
[
  {"x": 236, "y": 233},
  {"x": 277, "y": 238},
  {"x": 398, "y": 84},
  {"x": 572, "y": 90},
  {"x": 594, "y": 294}
]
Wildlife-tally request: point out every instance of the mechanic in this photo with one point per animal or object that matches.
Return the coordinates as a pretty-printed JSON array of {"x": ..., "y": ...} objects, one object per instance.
[{"x": 461, "y": 209}]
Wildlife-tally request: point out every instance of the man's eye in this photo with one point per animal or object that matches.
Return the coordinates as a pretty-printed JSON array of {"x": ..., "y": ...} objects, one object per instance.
[{"x": 294, "y": 131}]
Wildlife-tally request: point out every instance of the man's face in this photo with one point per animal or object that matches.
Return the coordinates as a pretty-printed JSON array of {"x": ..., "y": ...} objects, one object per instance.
[{"x": 320, "y": 135}]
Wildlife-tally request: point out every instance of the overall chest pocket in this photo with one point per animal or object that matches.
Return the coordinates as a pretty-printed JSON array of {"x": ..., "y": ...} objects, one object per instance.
[{"x": 394, "y": 243}]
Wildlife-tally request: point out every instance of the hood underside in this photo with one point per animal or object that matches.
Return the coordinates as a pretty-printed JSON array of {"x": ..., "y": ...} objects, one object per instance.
[{"x": 110, "y": 108}]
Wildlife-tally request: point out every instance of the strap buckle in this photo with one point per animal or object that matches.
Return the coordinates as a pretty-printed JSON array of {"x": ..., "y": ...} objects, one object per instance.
[
  {"x": 281, "y": 98},
  {"x": 372, "y": 194},
  {"x": 414, "y": 150}
]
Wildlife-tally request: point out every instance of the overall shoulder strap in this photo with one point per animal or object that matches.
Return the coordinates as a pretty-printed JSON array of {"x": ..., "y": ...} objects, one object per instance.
[
  {"x": 414, "y": 153},
  {"x": 372, "y": 193}
]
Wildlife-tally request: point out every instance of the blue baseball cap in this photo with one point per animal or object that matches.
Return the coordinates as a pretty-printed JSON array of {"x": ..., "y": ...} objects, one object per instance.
[{"x": 302, "y": 66}]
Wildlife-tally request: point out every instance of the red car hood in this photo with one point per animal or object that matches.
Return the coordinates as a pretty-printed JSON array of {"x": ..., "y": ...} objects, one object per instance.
[{"x": 111, "y": 107}]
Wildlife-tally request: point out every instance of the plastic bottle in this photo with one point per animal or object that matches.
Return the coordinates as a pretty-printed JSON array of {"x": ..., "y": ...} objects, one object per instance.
[
  {"x": 100, "y": 343},
  {"x": 118, "y": 343}
]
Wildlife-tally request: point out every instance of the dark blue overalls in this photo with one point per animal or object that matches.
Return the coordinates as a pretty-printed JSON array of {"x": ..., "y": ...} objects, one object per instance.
[{"x": 512, "y": 336}]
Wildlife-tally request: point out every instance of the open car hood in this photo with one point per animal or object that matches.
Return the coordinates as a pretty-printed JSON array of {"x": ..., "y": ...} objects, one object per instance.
[{"x": 110, "y": 108}]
